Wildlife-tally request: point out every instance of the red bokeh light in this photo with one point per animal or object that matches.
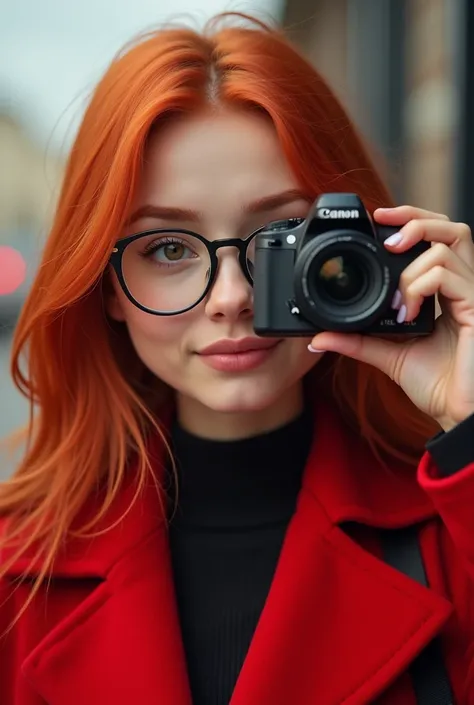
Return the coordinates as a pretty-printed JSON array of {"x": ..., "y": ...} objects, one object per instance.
[{"x": 12, "y": 270}]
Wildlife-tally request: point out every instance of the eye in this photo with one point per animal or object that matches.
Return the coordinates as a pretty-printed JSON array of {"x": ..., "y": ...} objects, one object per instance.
[{"x": 168, "y": 250}]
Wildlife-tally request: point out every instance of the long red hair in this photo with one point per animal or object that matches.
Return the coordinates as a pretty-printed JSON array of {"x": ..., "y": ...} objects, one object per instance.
[{"x": 85, "y": 384}]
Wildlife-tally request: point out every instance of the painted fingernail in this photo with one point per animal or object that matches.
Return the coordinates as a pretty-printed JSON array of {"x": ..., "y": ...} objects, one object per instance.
[
  {"x": 397, "y": 299},
  {"x": 394, "y": 239},
  {"x": 314, "y": 350},
  {"x": 402, "y": 314}
]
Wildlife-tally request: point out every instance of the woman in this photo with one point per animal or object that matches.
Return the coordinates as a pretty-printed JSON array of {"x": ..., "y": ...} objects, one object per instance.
[{"x": 262, "y": 580}]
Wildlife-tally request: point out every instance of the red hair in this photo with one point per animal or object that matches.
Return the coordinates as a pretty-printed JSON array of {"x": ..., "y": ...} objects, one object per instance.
[{"x": 82, "y": 376}]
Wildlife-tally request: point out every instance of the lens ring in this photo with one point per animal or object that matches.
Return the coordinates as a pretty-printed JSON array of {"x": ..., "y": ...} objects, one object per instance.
[{"x": 363, "y": 309}]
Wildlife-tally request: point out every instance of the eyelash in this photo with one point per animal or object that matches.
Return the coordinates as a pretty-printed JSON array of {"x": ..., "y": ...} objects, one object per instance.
[{"x": 154, "y": 246}]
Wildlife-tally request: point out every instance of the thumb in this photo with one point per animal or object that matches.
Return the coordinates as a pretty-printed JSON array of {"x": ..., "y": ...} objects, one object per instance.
[{"x": 383, "y": 354}]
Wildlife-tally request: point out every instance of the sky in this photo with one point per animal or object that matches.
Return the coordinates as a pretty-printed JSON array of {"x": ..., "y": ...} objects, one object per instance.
[{"x": 52, "y": 52}]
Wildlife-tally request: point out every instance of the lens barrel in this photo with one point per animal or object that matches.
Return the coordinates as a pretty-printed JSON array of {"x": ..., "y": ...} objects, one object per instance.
[{"x": 342, "y": 281}]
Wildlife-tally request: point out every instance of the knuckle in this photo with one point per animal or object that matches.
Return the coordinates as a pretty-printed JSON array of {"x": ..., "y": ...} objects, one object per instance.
[
  {"x": 404, "y": 280},
  {"x": 437, "y": 271},
  {"x": 463, "y": 231},
  {"x": 441, "y": 249},
  {"x": 411, "y": 290},
  {"x": 414, "y": 229},
  {"x": 423, "y": 214}
]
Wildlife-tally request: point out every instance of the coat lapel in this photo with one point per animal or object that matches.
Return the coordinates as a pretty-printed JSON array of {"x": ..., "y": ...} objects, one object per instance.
[
  {"x": 339, "y": 626},
  {"x": 122, "y": 645}
]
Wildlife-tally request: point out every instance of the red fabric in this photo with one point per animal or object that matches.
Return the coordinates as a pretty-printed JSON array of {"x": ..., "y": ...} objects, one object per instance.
[{"x": 339, "y": 625}]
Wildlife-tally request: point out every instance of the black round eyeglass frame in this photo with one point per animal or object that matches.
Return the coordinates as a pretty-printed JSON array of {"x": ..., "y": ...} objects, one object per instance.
[{"x": 212, "y": 246}]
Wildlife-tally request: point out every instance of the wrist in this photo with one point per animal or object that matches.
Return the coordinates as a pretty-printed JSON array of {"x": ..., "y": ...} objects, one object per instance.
[{"x": 447, "y": 423}]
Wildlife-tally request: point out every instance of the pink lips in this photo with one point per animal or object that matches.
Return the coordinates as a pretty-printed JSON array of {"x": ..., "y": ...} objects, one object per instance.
[{"x": 238, "y": 355}]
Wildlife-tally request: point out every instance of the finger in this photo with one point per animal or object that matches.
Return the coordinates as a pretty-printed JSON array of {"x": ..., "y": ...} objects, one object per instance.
[
  {"x": 438, "y": 255},
  {"x": 383, "y": 354},
  {"x": 457, "y": 236},
  {"x": 403, "y": 214},
  {"x": 438, "y": 280}
]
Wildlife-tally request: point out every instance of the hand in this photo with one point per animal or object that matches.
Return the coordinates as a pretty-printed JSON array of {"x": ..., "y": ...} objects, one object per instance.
[{"x": 437, "y": 371}]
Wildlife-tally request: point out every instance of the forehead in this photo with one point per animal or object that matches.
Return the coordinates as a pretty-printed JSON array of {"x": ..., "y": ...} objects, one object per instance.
[{"x": 209, "y": 160}]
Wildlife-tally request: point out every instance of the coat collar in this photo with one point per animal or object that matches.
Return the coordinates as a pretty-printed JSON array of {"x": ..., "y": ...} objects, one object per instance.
[
  {"x": 329, "y": 604},
  {"x": 353, "y": 485}
]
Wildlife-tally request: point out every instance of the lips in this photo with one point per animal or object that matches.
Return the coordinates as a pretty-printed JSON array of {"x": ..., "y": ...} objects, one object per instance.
[
  {"x": 238, "y": 356},
  {"x": 233, "y": 347}
]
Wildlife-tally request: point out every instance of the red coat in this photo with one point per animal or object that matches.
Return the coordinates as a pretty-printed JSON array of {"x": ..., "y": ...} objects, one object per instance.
[{"x": 339, "y": 625}]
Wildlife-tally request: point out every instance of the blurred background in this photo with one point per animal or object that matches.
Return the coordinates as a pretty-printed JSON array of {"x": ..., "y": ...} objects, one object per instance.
[{"x": 403, "y": 68}]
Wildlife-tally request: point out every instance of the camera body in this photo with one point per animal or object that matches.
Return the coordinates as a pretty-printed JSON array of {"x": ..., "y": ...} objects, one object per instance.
[{"x": 331, "y": 271}]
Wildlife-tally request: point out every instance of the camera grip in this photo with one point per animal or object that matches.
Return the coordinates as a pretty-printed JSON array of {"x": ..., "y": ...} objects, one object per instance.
[{"x": 272, "y": 289}]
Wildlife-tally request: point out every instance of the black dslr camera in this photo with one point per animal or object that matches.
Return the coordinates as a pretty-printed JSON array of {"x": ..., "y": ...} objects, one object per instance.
[{"x": 331, "y": 271}]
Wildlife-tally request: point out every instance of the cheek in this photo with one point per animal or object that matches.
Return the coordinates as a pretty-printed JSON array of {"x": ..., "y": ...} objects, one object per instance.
[
  {"x": 298, "y": 348},
  {"x": 164, "y": 331},
  {"x": 145, "y": 328},
  {"x": 300, "y": 360},
  {"x": 159, "y": 341}
]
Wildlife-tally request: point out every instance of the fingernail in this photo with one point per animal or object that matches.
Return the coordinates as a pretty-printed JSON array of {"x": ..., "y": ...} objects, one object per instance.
[
  {"x": 394, "y": 239},
  {"x": 397, "y": 299},
  {"x": 402, "y": 314},
  {"x": 314, "y": 350}
]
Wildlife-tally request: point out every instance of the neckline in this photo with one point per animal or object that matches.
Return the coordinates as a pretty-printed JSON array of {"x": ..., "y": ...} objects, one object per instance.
[{"x": 241, "y": 484}]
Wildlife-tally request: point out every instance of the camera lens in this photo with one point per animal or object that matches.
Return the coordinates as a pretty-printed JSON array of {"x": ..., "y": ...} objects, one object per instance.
[
  {"x": 342, "y": 281},
  {"x": 342, "y": 278}
]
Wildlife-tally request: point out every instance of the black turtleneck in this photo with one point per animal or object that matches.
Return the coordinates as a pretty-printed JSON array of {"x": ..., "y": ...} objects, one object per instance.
[{"x": 235, "y": 501}]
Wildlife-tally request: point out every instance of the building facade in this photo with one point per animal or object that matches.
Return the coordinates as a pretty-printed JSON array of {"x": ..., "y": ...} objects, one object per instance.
[{"x": 400, "y": 67}]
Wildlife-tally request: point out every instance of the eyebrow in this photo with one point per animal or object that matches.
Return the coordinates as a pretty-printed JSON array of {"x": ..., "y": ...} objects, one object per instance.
[{"x": 261, "y": 205}]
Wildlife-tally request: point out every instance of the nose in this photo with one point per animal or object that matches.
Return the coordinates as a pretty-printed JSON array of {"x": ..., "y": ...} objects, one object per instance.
[{"x": 231, "y": 295}]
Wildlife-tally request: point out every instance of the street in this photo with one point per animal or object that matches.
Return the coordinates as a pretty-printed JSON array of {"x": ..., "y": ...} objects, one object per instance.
[{"x": 13, "y": 408}]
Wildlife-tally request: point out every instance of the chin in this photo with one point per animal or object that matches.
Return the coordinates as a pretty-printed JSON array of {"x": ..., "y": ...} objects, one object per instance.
[{"x": 245, "y": 397}]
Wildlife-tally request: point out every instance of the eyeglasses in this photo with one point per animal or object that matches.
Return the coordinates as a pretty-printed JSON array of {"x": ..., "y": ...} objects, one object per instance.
[{"x": 165, "y": 272}]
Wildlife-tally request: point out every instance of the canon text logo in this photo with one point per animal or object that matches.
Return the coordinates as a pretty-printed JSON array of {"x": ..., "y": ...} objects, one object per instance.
[{"x": 330, "y": 213}]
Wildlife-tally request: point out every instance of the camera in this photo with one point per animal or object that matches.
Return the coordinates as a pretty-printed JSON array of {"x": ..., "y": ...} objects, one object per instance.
[{"x": 331, "y": 271}]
